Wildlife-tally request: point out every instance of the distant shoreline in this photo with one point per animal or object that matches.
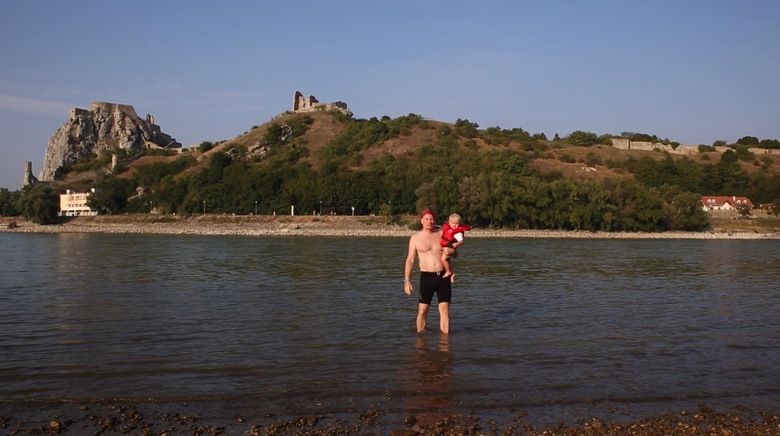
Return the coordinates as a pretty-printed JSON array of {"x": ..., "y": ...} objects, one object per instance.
[{"x": 364, "y": 226}]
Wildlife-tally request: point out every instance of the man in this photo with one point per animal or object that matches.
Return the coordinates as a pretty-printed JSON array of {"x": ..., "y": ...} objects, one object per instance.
[{"x": 426, "y": 246}]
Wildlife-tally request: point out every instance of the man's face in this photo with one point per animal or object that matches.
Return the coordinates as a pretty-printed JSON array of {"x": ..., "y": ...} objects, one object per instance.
[{"x": 427, "y": 221}]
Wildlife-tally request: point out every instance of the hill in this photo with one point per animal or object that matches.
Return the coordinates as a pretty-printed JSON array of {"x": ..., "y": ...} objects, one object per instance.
[
  {"x": 328, "y": 162},
  {"x": 552, "y": 156},
  {"x": 572, "y": 161}
]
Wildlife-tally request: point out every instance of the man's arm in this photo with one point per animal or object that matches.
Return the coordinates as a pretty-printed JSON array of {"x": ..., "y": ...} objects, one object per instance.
[{"x": 411, "y": 254}]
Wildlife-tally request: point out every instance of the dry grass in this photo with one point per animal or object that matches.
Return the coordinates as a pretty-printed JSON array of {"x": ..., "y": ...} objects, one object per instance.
[{"x": 326, "y": 128}]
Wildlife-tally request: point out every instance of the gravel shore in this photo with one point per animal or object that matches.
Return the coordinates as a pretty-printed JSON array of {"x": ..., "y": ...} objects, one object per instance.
[
  {"x": 319, "y": 226},
  {"x": 161, "y": 418}
]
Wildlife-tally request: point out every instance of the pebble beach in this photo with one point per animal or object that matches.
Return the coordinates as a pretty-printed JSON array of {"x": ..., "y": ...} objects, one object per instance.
[
  {"x": 106, "y": 418},
  {"x": 363, "y": 226}
]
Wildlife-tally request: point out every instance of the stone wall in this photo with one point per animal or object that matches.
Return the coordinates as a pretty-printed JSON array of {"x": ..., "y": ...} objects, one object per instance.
[{"x": 686, "y": 149}]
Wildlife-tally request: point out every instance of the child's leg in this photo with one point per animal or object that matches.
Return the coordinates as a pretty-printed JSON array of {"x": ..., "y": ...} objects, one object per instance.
[{"x": 445, "y": 260}]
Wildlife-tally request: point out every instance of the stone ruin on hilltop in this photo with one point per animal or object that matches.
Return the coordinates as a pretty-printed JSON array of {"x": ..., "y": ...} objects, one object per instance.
[{"x": 310, "y": 104}]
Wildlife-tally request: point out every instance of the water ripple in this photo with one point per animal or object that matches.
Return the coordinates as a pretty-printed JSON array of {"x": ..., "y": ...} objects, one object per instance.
[{"x": 324, "y": 321}]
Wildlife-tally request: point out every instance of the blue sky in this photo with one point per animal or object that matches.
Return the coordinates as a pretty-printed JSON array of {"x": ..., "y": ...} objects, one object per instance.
[{"x": 693, "y": 71}]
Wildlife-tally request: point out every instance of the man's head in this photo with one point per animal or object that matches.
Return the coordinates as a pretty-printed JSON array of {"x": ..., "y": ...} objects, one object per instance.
[{"x": 427, "y": 218}]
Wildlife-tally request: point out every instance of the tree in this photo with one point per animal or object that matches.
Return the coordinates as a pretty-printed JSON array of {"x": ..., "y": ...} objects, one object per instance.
[
  {"x": 744, "y": 211},
  {"x": 111, "y": 195},
  {"x": 732, "y": 177},
  {"x": 386, "y": 210},
  {"x": 466, "y": 129},
  {"x": 8, "y": 202},
  {"x": 743, "y": 153},
  {"x": 683, "y": 210},
  {"x": 747, "y": 140},
  {"x": 447, "y": 195},
  {"x": 427, "y": 197},
  {"x": 39, "y": 204},
  {"x": 585, "y": 139}
]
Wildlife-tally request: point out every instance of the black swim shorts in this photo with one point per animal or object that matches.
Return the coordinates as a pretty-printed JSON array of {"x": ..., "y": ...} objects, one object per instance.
[{"x": 433, "y": 283}]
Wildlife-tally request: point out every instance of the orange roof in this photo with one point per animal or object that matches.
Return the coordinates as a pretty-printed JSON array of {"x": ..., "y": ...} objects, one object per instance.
[{"x": 714, "y": 200}]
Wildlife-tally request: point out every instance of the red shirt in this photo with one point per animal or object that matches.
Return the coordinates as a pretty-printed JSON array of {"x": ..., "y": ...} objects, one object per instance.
[{"x": 448, "y": 233}]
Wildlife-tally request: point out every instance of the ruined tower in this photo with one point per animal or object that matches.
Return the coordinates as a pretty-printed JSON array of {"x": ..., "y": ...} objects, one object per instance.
[{"x": 29, "y": 178}]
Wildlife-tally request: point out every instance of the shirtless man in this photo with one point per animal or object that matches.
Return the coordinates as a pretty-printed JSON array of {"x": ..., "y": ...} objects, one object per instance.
[{"x": 426, "y": 246}]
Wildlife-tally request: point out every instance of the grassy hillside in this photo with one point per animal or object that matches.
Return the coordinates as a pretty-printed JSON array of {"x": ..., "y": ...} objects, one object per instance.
[
  {"x": 326, "y": 162},
  {"x": 572, "y": 161}
]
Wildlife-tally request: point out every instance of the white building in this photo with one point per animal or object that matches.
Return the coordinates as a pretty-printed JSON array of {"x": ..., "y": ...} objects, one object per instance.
[
  {"x": 75, "y": 203},
  {"x": 713, "y": 202}
]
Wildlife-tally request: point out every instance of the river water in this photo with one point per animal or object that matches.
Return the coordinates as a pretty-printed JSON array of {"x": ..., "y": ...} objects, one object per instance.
[{"x": 560, "y": 328}]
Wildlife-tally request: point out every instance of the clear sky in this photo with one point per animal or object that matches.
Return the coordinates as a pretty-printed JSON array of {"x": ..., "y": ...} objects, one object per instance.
[{"x": 692, "y": 71}]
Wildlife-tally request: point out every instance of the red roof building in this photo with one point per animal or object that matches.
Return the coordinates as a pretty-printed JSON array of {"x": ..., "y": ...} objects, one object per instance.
[{"x": 711, "y": 202}]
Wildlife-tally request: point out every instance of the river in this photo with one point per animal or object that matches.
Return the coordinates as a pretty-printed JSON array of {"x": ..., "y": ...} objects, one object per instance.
[{"x": 558, "y": 328}]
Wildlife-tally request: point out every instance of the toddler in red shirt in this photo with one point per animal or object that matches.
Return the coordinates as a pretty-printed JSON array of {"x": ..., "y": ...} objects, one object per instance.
[{"x": 451, "y": 238}]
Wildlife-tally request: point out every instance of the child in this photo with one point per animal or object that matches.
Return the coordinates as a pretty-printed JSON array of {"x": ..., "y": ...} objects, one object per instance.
[{"x": 451, "y": 238}]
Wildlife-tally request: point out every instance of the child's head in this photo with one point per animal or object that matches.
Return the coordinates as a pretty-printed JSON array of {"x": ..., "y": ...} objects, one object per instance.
[{"x": 454, "y": 220}]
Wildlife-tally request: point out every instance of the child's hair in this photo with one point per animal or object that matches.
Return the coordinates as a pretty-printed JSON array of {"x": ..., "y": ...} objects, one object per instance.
[{"x": 455, "y": 216}]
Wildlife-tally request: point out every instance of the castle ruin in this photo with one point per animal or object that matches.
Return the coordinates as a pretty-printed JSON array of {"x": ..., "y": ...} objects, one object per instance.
[
  {"x": 311, "y": 104},
  {"x": 685, "y": 149},
  {"x": 29, "y": 178}
]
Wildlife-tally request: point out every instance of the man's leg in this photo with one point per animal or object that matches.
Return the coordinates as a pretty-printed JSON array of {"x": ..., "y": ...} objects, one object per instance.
[
  {"x": 422, "y": 316},
  {"x": 444, "y": 316}
]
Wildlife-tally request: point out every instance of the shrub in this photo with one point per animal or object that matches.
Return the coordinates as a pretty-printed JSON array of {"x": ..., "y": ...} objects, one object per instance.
[{"x": 592, "y": 159}]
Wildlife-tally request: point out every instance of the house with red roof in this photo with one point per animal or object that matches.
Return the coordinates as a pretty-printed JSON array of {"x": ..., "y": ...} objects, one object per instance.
[{"x": 713, "y": 202}]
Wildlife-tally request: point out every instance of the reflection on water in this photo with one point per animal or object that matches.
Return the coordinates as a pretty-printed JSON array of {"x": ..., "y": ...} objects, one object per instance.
[
  {"x": 323, "y": 324},
  {"x": 435, "y": 388},
  {"x": 428, "y": 391}
]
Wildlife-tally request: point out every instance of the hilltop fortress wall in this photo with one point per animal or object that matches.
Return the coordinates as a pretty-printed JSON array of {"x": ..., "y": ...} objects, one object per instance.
[
  {"x": 686, "y": 149},
  {"x": 310, "y": 104}
]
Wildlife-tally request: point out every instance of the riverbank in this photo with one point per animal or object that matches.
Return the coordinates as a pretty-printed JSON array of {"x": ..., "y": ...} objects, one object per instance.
[
  {"x": 198, "y": 418},
  {"x": 264, "y": 225}
]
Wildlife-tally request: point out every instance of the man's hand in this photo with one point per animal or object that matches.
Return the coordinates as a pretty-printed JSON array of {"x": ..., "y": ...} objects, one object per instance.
[{"x": 408, "y": 288}]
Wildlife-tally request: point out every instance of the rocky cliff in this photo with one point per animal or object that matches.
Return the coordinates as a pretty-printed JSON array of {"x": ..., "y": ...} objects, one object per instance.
[{"x": 105, "y": 127}]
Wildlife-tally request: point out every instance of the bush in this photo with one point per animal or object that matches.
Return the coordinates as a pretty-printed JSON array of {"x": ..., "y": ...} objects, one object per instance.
[
  {"x": 8, "y": 202},
  {"x": 744, "y": 154},
  {"x": 40, "y": 204},
  {"x": 205, "y": 146},
  {"x": 592, "y": 159},
  {"x": 566, "y": 158},
  {"x": 583, "y": 139}
]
